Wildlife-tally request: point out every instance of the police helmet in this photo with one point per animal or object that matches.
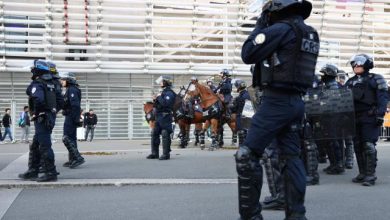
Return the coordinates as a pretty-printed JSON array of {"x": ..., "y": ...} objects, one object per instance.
[
  {"x": 166, "y": 80},
  {"x": 240, "y": 84},
  {"x": 225, "y": 72},
  {"x": 193, "y": 78},
  {"x": 302, "y": 7},
  {"x": 39, "y": 67},
  {"x": 362, "y": 60},
  {"x": 329, "y": 70},
  {"x": 69, "y": 77},
  {"x": 52, "y": 67}
]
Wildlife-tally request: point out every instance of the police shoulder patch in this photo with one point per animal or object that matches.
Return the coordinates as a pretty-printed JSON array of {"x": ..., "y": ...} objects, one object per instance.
[
  {"x": 72, "y": 95},
  {"x": 167, "y": 98},
  {"x": 259, "y": 39},
  {"x": 33, "y": 90}
]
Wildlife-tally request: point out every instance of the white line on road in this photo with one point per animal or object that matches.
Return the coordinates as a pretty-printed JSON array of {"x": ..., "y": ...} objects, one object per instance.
[{"x": 7, "y": 196}]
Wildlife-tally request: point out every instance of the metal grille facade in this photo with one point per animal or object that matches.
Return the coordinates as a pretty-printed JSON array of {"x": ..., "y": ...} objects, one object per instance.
[{"x": 118, "y": 48}]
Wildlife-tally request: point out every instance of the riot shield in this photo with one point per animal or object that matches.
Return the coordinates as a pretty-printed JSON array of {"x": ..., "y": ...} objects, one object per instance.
[{"x": 330, "y": 112}]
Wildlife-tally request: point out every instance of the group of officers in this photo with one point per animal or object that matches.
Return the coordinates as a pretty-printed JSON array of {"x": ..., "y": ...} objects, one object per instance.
[
  {"x": 48, "y": 93},
  {"x": 164, "y": 102},
  {"x": 284, "y": 51}
]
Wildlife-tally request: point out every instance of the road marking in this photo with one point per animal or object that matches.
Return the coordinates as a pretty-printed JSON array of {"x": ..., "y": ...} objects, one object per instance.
[
  {"x": 111, "y": 182},
  {"x": 7, "y": 196}
]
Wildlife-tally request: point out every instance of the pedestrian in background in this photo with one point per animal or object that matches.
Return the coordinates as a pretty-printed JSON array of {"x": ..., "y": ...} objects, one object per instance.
[
  {"x": 7, "y": 122},
  {"x": 90, "y": 122},
  {"x": 24, "y": 124}
]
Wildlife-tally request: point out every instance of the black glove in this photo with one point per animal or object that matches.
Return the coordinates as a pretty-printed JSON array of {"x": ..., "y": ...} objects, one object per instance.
[{"x": 379, "y": 121}]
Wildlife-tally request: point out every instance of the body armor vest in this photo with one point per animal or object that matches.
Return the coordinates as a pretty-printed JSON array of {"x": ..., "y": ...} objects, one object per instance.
[
  {"x": 50, "y": 95},
  {"x": 298, "y": 67},
  {"x": 362, "y": 91}
]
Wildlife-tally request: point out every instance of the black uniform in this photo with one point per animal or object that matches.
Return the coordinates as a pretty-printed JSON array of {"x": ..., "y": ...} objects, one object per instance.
[
  {"x": 285, "y": 52},
  {"x": 370, "y": 99}
]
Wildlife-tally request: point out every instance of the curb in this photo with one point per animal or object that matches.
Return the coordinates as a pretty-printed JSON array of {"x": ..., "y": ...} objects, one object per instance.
[{"x": 111, "y": 182}]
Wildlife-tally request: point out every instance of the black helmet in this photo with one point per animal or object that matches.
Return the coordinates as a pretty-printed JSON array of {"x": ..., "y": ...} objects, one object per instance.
[
  {"x": 240, "y": 84},
  {"x": 362, "y": 60},
  {"x": 225, "y": 72},
  {"x": 39, "y": 67},
  {"x": 69, "y": 77},
  {"x": 166, "y": 80},
  {"x": 303, "y": 7},
  {"x": 329, "y": 70}
]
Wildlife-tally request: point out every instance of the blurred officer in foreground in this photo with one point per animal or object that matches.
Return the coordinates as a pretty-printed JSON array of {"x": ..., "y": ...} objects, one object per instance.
[
  {"x": 370, "y": 100},
  {"x": 163, "y": 126},
  {"x": 44, "y": 103},
  {"x": 71, "y": 111},
  {"x": 285, "y": 52}
]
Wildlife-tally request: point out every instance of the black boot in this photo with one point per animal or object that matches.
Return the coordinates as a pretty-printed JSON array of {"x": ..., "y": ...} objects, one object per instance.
[
  {"x": 48, "y": 177},
  {"x": 348, "y": 153},
  {"x": 76, "y": 162},
  {"x": 274, "y": 203},
  {"x": 165, "y": 157},
  {"x": 71, "y": 145},
  {"x": 370, "y": 153},
  {"x": 155, "y": 142},
  {"x": 152, "y": 156},
  {"x": 30, "y": 174},
  {"x": 166, "y": 144},
  {"x": 67, "y": 163},
  {"x": 313, "y": 177},
  {"x": 360, "y": 158},
  {"x": 34, "y": 162}
]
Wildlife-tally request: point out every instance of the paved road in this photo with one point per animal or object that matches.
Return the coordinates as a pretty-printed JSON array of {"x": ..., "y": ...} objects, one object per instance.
[{"x": 195, "y": 184}]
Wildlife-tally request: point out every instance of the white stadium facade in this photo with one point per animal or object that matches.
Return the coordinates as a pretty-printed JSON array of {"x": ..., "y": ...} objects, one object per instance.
[{"x": 117, "y": 48}]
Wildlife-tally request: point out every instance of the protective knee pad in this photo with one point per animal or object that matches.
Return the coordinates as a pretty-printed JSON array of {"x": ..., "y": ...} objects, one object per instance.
[
  {"x": 66, "y": 140},
  {"x": 369, "y": 148},
  {"x": 250, "y": 180}
]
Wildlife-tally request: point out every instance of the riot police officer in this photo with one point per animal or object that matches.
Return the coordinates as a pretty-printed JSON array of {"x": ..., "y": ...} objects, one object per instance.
[
  {"x": 44, "y": 101},
  {"x": 370, "y": 100},
  {"x": 225, "y": 89},
  {"x": 334, "y": 148},
  {"x": 285, "y": 52},
  {"x": 163, "y": 126},
  {"x": 238, "y": 105},
  {"x": 210, "y": 84},
  {"x": 71, "y": 111}
]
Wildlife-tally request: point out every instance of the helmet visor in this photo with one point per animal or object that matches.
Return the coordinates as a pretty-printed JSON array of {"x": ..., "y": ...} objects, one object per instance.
[
  {"x": 358, "y": 60},
  {"x": 159, "y": 80}
]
